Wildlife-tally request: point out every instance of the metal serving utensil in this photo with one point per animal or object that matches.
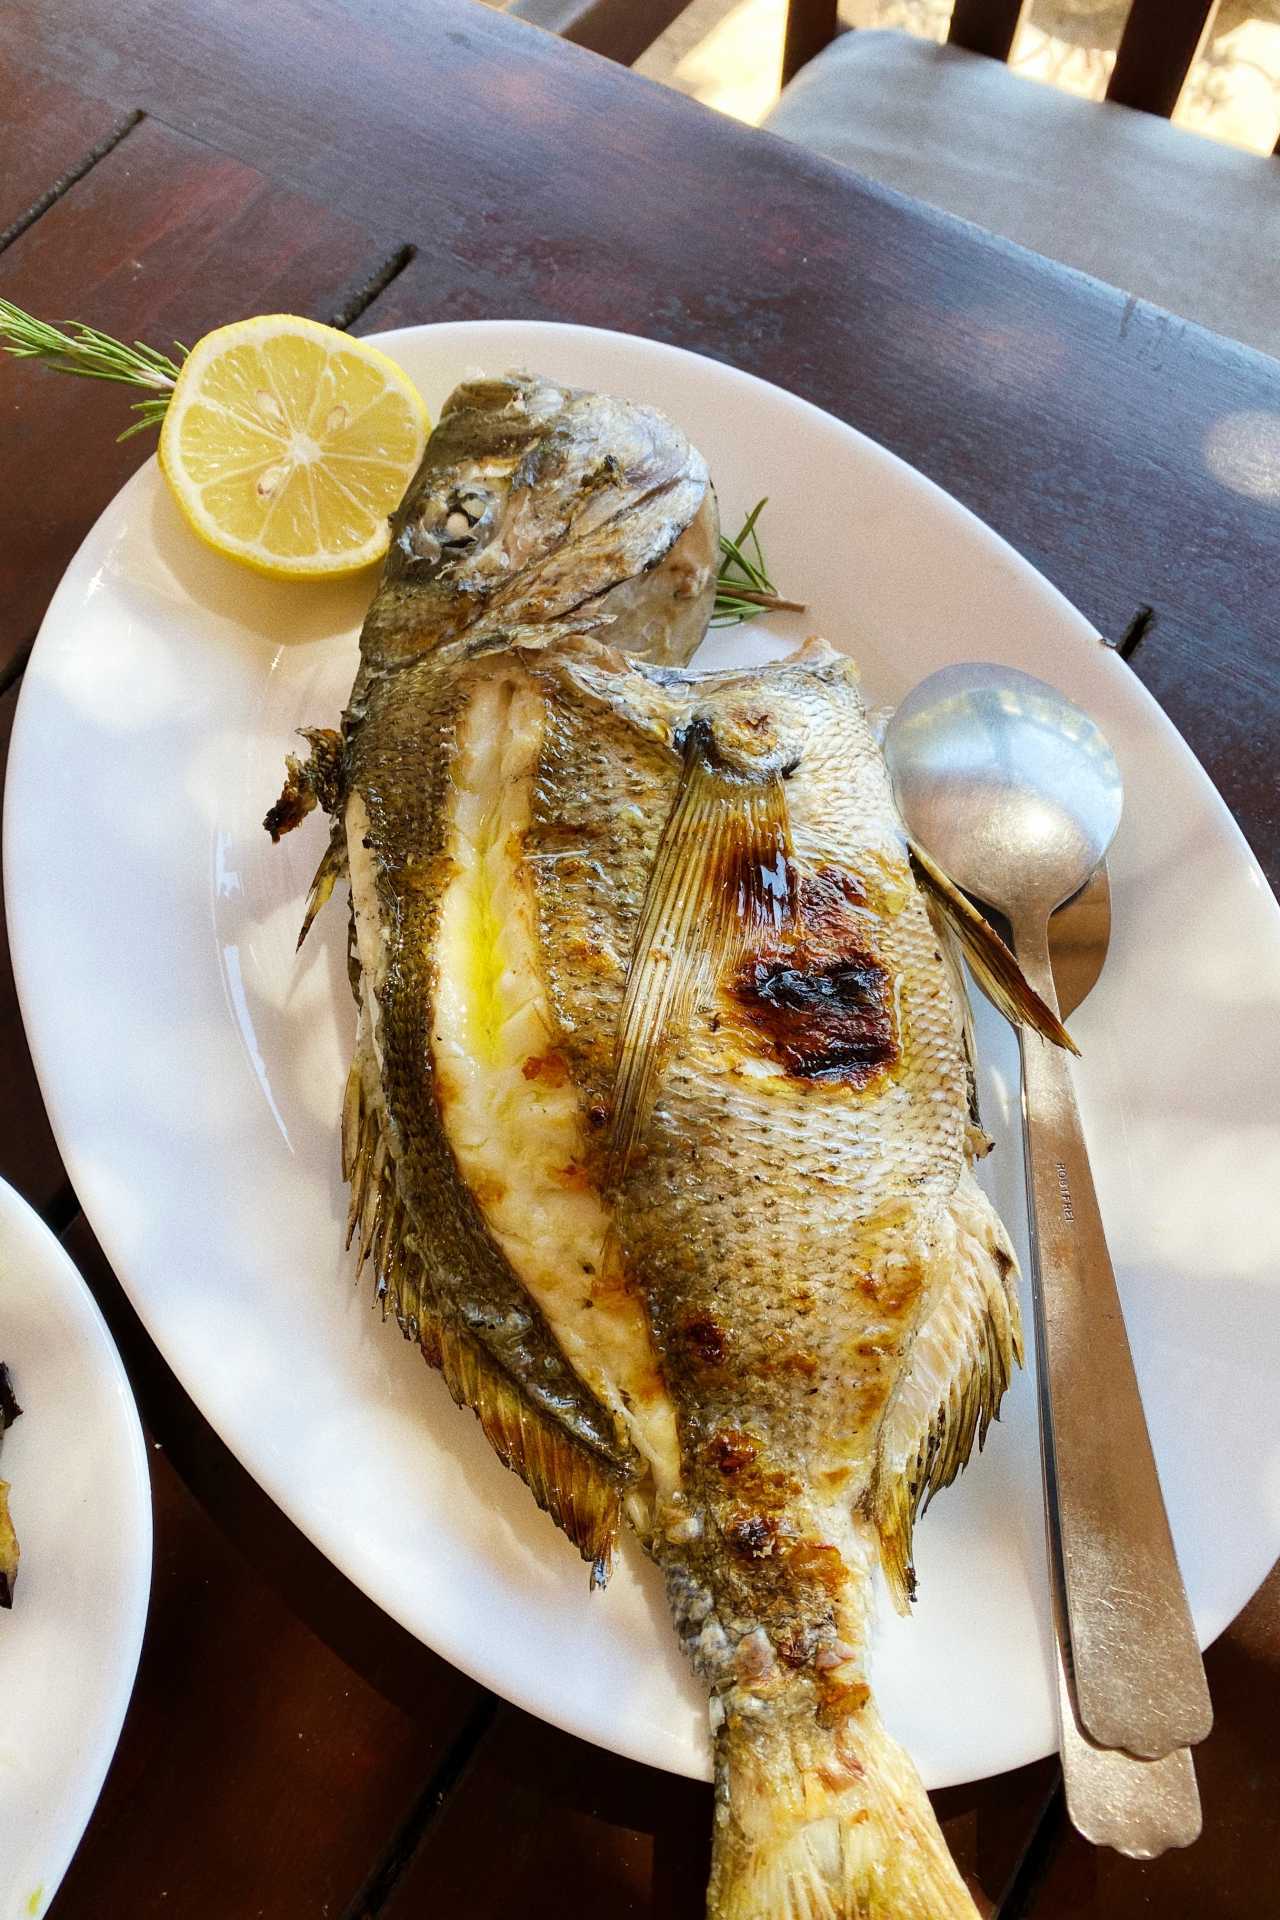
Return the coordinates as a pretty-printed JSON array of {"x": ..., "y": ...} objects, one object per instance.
[
  {"x": 1139, "y": 1807},
  {"x": 1079, "y": 935},
  {"x": 1014, "y": 791}
]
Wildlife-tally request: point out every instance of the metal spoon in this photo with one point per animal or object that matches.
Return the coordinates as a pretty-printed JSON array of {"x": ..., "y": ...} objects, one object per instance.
[
  {"x": 1015, "y": 792},
  {"x": 1140, "y": 1807},
  {"x": 1079, "y": 935}
]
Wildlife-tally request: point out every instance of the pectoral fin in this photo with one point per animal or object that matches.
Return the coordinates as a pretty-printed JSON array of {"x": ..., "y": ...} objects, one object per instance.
[
  {"x": 993, "y": 966},
  {"x": 721, "y": 875},
  {"x": 315, "y": 781}
]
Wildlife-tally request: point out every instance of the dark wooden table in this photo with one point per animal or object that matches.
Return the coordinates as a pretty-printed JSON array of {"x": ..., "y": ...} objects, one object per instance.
[{"x": 166, "y": 165}]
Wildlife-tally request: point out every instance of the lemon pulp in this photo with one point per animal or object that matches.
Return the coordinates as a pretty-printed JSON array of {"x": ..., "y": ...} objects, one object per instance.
[{"x": 287, "y": 445}]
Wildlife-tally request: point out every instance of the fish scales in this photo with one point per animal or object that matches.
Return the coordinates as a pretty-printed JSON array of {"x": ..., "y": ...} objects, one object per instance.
[
  {"x": 399, "y": 766},
  {"x": 659, "y": 1128}
]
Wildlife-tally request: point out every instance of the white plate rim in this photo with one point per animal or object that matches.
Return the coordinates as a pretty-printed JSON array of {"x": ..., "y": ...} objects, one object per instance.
[{"x": 99, "y": 1204}]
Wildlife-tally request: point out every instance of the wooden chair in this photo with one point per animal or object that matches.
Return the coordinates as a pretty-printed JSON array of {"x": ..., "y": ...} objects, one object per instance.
[
  {"x": 1161, "y": 41},
  {"x": 1183, "y": 221}
]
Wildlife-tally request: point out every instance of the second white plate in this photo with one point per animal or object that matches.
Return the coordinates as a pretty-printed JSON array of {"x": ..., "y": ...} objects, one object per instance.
[{"x": 81, "y": 1503}]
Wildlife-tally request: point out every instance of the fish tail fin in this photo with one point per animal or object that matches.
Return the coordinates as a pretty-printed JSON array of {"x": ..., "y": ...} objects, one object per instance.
[{"x": 825, "y": 1822}]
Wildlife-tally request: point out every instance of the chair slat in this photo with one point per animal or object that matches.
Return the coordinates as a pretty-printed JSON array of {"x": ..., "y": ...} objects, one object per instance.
[
  {"x": 811, "y": 25},
  {"x": 986, "y": 26},
  {"x": 619, "y": 29},
  {"x": 1158, "y": 48}
]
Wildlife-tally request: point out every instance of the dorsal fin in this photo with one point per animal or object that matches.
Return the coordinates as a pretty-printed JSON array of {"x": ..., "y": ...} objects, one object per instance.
[
  {"x": 721, "y": 874},
  {"x": 581, "y": 1491},
  {"x": 961, "y": 1361}
]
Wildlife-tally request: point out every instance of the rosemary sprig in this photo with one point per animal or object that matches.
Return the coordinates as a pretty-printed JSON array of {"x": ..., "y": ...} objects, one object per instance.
[
  {"x": 92, "y": 355},
  {"x": 743, "y": 588}
]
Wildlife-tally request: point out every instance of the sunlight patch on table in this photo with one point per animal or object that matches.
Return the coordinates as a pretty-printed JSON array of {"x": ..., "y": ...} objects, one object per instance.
[{"x": 1242, "y": 450}]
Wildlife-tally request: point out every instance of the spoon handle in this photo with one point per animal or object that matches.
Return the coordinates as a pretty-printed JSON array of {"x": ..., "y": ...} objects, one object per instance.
[
  {"x": 1139, "y": 1807},
  {"x": 1139, "y": 1679}
]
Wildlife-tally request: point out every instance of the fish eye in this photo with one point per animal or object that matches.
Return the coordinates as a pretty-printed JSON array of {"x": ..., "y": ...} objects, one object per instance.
[
  {"x": 447, "y": 525},
  {"x": 465, "y": 509}
]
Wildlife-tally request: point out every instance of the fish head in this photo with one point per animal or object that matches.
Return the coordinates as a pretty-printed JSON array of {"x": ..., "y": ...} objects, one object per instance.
[{"x": 537, "y": 505}]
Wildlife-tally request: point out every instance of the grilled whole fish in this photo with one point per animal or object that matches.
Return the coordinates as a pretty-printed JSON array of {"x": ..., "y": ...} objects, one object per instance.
[{"x": 659, "y": 1127}]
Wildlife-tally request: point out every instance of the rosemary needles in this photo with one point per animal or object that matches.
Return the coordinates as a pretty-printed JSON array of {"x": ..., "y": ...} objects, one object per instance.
[
  {"x": 94, "y": 356},
  {"x": 743, "y": 587}
]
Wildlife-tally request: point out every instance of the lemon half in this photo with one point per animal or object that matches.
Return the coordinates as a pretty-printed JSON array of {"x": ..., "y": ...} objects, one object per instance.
[{"x": 287, "y": 444}]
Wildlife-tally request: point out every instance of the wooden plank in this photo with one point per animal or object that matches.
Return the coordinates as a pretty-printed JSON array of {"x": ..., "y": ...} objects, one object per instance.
[
  {"x": 811, "y": 26},
  {"x": 162, "y": 240},
  {"x": 1071, "y": 419},
  {"x": 50, "y": 131},
  {"x": 280, "y": 1724},
  {"x": 587, "y": 1832},
  {"x": 573, "y": 1835},
  {"x": 619, "y": 29},
  {"x": 29, "y": 1160},
  {"x": 1161, "y": 42},
  {"x": 986, "y": 26},
  {"x": 1234, "y": 1868},
  {"x": 989, "y": 1825}
]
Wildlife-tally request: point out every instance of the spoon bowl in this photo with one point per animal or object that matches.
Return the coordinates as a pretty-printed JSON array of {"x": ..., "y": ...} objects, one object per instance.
[
  {"x": 1079, "y": 934},
  {"x": 1009, "y": 785}
]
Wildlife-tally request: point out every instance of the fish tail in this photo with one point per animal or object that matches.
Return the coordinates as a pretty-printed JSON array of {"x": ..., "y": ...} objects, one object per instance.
[{"x": 824, "y": 1822}]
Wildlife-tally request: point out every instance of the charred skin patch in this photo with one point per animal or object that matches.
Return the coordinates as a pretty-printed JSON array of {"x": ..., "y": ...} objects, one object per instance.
[
  {"x": 819, "y": 1000},
  {"x": 796, "y": 1649},
  {"x": 703, "y": 1338},
  {"x": 752, "y": 1536},
  {"x": 819, "y": 1565},
  {"x": 551, "y": 1068},
  {"x": 828, "y": 898},
  {"x": 731, "y": 1450},
  {"x": 840, "y": 1699}
]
